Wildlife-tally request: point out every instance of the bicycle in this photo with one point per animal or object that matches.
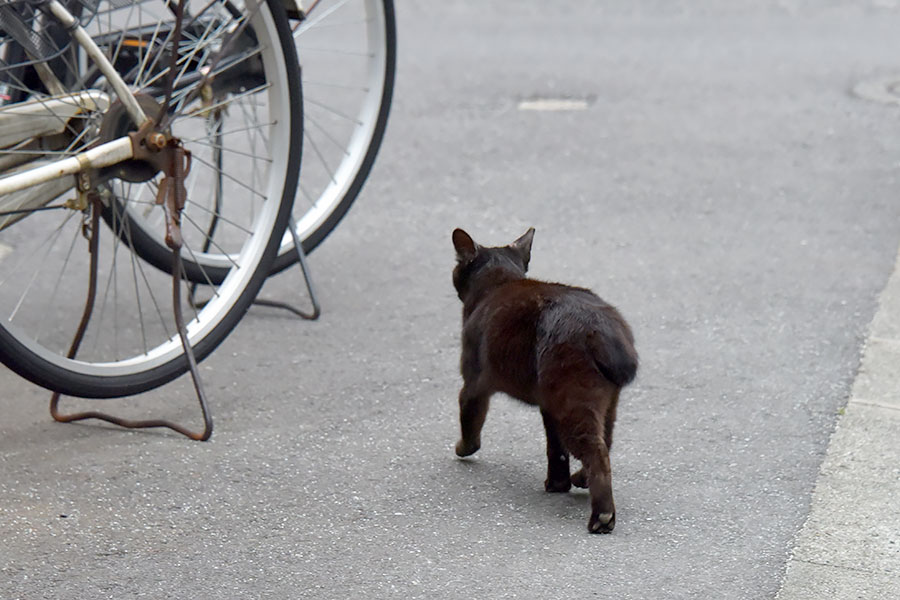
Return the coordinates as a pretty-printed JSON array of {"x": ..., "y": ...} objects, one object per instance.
[{"x": 145, "y": 113}]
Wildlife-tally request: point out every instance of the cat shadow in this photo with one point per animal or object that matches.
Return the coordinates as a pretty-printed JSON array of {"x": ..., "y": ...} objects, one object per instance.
[{"x": 520, "y": 486}]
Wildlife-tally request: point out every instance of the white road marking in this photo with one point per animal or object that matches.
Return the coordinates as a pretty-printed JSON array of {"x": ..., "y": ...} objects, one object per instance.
[{"x": 553, "y": 104}]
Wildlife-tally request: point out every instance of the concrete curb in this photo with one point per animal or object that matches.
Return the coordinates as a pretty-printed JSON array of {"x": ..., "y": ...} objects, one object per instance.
[{"x": 849, "y": 546}]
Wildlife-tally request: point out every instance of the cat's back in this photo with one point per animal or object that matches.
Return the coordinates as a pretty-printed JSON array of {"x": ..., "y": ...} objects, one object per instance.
[
  {"x": 504, "y": 324},
  {"x": 547, "y": 309},
  {"x": 531, "y": 329},
  {"x": 519, "y": 301},
  {"x": 533, "y": 297},
  {"x": 577, "y": 303},
  {"x": 583, "y": 327}
]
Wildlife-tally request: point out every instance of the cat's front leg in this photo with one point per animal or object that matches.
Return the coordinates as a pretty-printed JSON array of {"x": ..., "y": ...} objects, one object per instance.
[
  {"x": 473, "y": 407},
  {"x": 557, "y": 458}
]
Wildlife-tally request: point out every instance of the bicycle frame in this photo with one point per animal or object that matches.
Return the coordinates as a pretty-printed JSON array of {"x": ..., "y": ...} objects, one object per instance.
[{"x": 100, "y": 156}]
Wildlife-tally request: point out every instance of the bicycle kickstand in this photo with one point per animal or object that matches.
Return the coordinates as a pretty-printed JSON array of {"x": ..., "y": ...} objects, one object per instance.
[
  {"x": 307, "y": 278},
  {"x": 172, "y": 195}
]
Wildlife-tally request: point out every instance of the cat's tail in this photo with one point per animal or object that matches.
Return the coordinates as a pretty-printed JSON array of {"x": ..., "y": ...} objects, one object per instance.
[{"x": 615, "y": 356}]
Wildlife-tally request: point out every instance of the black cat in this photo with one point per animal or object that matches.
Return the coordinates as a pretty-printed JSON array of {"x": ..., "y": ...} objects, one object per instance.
[{"x": 559, "y": 347}]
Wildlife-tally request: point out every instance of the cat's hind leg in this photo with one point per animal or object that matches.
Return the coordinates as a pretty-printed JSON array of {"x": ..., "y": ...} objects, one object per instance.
[
  {"x": 599, "y": 478},
  {"x": 582, "y": 432},
  {"x": 579, "y": 478},
  {"x": 557, "y": 458},
  {"x": 473, "y": 408},
  {"x": 609, "y": 420}
]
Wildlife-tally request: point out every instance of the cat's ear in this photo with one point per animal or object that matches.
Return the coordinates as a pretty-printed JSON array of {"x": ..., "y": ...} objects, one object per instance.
[
  {"x": 466, "y": 248},
  {"x": 523, "y": 245}
]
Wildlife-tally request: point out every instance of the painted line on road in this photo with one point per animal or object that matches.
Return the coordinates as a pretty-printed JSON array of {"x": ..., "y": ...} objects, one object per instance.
[
  {"x": 882, "y": 89},
  {"x": 553, "y": 104}
]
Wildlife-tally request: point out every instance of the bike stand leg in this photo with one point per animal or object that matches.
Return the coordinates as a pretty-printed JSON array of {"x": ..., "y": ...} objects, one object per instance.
[
  {"x": 172, "y": 196},
  {"x": 182, "y": 332},
  {"x": 304, "y": 267}
]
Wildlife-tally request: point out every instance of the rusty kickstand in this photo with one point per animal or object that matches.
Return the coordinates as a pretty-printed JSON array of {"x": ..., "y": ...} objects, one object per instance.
[
  {"x": 172, "y": 196},
  {"x": 168, "y": 155}
]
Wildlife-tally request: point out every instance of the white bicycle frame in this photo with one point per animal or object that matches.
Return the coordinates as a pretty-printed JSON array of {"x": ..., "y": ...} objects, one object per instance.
[{"x": 104, "y": 155}]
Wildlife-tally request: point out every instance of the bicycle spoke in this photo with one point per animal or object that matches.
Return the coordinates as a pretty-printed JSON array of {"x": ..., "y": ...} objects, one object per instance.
[
  {"x": 231, "y": 178},
  {"x": 223, "y": 103},
  {"x": 62, "y": 270},
  {"x": 337, "y": 24},
  {"x": 130, "y": 241},
  {"x": 254, "y": 116},
  {"x": 114, "y": 56},
  {"x": 233, "y": 151},
  {"x": 328, "y": 135},
  {"x": 334, "y": 84},
  {"x": 213, "y": 242},
  {"x": 338, "y": 51},
  {"x": 137, "y": 296},
  {"x": 74, "y": 147},
  {"x": 308, "y": 23},
  {"x": 207, "y": 279},
  {"x": 28, "y": 255},
  {"x": 187, "y": 94},
  {"x": 182, "y": 276},
  {"x": 263, "y": 126},
  {"x": 54, "y": 237},
  {"x": 188, "y": 59},
  {"x": 332, "y": 110},
  {"x": 306, "y": 194},
  {"x": 318, "y": 152},
  {"x": 144, "y": 67},
  {"x": 221, "y": 217},
  {"x": 112, "y": 281},
  {"x": 211, "y": 68}
]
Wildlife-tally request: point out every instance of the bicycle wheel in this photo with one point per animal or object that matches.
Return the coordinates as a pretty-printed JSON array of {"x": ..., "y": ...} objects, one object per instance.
[
  {"x": 244, "y": 130},
  {"x": 347, "y": 51}
]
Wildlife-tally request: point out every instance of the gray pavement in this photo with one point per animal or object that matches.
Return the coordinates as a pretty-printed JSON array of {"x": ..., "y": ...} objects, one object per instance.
[
  {"x": 849, "y": 546},
  {"x": 722, "y": 186}
]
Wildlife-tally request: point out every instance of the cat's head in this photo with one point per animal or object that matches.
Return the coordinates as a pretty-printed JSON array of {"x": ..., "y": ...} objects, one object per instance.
[{"x": 478, "y": 265}]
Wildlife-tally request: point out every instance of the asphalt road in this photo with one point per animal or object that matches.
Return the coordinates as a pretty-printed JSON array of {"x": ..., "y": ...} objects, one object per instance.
[{"x": 723, "y": 187}]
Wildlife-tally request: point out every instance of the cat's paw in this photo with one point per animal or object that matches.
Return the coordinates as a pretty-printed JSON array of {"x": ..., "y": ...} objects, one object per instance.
[
  {"x": 557, "y": 486},
  {"x": 464, "y": 449},
  {"x": 579, "y": 478},
  {"x": 602, "y": 522}
]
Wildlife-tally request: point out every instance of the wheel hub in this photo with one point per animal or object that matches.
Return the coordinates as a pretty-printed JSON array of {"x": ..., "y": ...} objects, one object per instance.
[{"x": 117, "y": 123}]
